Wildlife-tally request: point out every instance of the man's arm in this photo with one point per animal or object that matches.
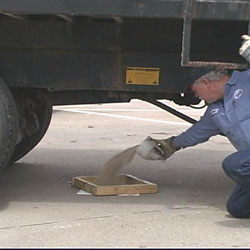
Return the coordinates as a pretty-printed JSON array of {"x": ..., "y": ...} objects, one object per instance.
[
  {"x": 198, "y": 133},
  {"x": 151, "y": 149}
]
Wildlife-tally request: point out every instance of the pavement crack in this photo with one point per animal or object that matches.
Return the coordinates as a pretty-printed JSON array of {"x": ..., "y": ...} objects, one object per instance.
[
  {"x": 6, "y": 228},
  {"x": 147, "y": 211},
  {"x": 95, "y": 217},
  {"x": 38, "y": 224},
  {"x": 55, "y": 222}
]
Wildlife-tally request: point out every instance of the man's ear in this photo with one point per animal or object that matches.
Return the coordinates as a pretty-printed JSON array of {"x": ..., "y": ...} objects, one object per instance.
[{"x": 206, "y": 82}]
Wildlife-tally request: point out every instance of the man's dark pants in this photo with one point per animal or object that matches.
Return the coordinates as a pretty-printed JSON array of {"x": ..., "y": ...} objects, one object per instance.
[{"x": 237, "y": 167}]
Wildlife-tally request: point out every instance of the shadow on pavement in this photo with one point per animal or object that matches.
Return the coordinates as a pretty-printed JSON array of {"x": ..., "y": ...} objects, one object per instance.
[{"x": 46, "y": 177}]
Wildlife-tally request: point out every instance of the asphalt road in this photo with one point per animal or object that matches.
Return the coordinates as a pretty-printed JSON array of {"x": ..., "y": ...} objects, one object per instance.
[{"x": 40, "y": 208}]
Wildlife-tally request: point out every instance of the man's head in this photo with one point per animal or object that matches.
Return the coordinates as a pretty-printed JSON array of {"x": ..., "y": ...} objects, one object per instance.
[{"x": 210, "y": 86}]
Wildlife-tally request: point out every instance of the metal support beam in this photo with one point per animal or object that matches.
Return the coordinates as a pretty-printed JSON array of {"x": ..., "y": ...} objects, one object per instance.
[
  {"x": 186, "y": 35},
  {"x": 13, "y": 16},
  {"x": 65, "y": 18},
  {"x": 117, "y": 19},
  {"x": 171, "y": 110}
]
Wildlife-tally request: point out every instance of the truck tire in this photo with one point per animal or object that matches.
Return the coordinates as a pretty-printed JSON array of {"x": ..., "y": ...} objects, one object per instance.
[
  {"x": 8, "y": 125},
  {"x": 35, "y": 111}
]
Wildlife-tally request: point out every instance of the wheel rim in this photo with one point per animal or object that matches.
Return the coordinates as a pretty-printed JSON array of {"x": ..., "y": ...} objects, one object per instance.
[{"x": 42, "y": 109}]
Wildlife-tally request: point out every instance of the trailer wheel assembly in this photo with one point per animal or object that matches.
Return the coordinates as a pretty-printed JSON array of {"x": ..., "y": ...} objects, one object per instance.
[
  {"x": 8, "y": 124},
  {"x": 35, "y": 111}
]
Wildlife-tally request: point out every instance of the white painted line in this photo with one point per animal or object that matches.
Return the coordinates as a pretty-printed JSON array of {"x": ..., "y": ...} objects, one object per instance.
[
  {"x": 119, "y": 109},
  {"x": 125, "y": 110},
  {"x": 124, "y": 117}
]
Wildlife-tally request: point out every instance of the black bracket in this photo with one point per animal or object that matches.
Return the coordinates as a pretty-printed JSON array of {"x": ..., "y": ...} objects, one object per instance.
[{"x": 186, "y": 43}]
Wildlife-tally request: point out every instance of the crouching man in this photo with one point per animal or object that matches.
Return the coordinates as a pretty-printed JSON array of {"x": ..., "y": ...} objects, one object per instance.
[{"x": 228, "y": 96}]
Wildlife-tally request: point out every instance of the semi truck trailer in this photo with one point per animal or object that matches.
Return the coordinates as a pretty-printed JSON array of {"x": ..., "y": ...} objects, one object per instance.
[{"x": 66, "y": 52}]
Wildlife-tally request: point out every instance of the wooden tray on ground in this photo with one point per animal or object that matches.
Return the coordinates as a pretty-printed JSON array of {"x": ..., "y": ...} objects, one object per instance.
[{"x": 127, "y": 184}]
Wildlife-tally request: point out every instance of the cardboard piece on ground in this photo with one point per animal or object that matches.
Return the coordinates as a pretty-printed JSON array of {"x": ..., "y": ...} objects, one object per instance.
[
  {"x": 82, "y": 192},
  {"x": 128, "y": 185}
]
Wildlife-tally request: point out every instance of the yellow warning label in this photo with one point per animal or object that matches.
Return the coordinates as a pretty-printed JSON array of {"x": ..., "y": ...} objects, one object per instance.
[{"x": 142, "y": 76}]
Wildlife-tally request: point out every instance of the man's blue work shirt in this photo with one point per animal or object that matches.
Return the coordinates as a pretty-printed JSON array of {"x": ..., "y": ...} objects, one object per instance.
[{"x": 231, "y": 116}]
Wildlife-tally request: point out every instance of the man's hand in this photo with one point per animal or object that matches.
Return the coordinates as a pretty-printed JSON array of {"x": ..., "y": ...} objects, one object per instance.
[
  {"x": 166, "y": 147},
  {"x": 151, "y": 149},
  {"x": 244, "y": 50}
]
